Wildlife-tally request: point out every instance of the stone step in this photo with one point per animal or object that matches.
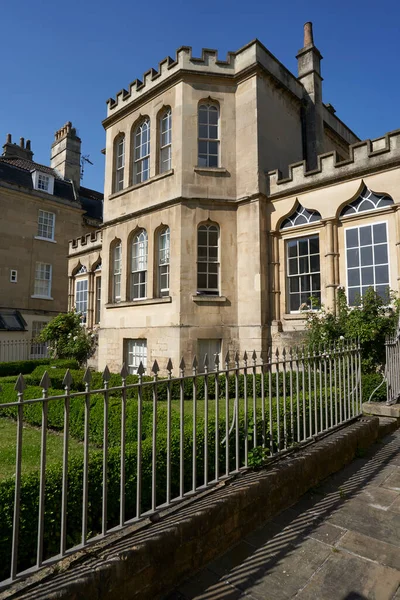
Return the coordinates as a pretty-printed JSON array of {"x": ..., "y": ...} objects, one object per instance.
[
  {"x": 380, "y": 409},
  {"x": 387, "y": 425}
]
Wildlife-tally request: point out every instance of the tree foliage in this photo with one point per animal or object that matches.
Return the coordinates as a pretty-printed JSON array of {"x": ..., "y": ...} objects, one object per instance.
[
  {"x": 370, "y": 322},
  {"x": 68, "y": 338}
]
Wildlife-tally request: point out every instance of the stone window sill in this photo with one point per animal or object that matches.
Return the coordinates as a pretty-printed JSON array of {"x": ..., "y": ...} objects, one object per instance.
[
  {"x": 37, "y": 297},
  {"x": 211, "y": 170},
  {"x": 295, "y": 316},
  {"x": 136, "y": 186},
  {"x": 208, "y": 298},
  {"x": 142, "y": 302},
  {"x": 43, "y": 239}
]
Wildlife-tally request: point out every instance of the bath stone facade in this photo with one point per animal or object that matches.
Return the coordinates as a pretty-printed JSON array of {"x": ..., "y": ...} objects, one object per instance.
[
  {"x": 41, "y": 209},
  {"x": 233, "y": 200}
]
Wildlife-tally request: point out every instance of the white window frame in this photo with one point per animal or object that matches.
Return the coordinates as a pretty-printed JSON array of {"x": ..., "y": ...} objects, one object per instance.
[
  {"x": 48, "y": 278},
  {"x": 207, "y": 344},
  {"x": 97, "y": 299},
  {"x": 82, "y": 297},
  {"x": 165, "y": 141},
  {"x": 164, "y": 252},
  {"x": 119, "y": 163},
  {"x": 38, "y": 349},
  {"x": 13, "y": 276},
  {"x": 296, "y": 238},
  {"x": 205, "y": 262},
  {"x": 46, "y": 225},
  {"x": 43, "y": 182},
  {"x": 136, "y": 352},
  {"x": 141, "y": 152},
  {"x": 204, "y": 158},
  {"x": 366, "y": 224},
  {"x": 116, "y": 272},
  {"x": 139, "y": 257}
]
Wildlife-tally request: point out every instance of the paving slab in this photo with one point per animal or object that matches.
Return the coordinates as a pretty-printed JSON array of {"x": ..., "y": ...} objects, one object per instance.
[
  {"x": 344, "y": 576},
  {"x": 339, "y": 542}
]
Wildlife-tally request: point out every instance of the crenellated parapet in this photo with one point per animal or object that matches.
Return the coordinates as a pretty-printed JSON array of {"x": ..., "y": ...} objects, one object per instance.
[
  {"x": 85, "y": 243},
  {"x": 209, "y": 64},
  {"x": 365, "y": 156}
]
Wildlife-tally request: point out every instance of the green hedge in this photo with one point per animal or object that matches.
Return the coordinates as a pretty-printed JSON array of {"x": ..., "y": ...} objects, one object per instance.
[
  {"x": 370, "y": 382},
  {"x": 27, "y": 366}
]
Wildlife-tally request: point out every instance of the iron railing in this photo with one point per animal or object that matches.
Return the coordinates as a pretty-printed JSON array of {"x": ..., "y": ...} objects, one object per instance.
[
  {"x": 24, "y": 349},
  {"x": 162, "y": 440},
  {"x": 392, "y": 367}
]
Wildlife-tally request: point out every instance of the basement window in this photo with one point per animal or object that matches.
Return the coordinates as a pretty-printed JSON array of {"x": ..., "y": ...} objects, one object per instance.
[{"x": 11, "y": 320}]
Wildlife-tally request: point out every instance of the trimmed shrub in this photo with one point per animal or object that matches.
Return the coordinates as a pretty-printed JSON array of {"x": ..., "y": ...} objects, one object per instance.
[
  {"x": 27, "y": 366},
  {"x": 369, "y": 382}
]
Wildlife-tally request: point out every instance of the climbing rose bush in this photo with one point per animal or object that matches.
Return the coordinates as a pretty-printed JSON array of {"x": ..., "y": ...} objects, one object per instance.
[{"x": 68, "y": 338}]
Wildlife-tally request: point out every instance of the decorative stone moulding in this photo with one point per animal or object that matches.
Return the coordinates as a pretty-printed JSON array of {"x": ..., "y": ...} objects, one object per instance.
[
  {"x": 364, "y": 156},
  {"x": 85, "y": 242}
]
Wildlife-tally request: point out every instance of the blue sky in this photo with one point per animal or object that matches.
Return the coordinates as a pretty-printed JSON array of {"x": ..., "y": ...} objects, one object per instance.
[{"x": 61, "y": 61}]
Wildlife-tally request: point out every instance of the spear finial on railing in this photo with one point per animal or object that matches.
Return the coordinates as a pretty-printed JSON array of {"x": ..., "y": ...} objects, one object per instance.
[
  {"x": 106, "y": 374},
  {"x": 216, "y": 361},
  {"x": 237, "y": 359},
  {"x": 124, "y": 371},
  {"x": 227, "y": 358},
  {"x": 141, "y": 369},
  {"x": 245, "y": 358},
  {"x": 67, "y": 381},
  {"x": 182, "y": 366},
  {"x": 195, "y": 364},
  {"x": 254, "y": 357},
  {"x": 205, "y": 363},
  {"x": 87, "y": 378},
  {"x": 45, "y": 382},
  {"x": 20, "y": 384},
  {"x": 169, "y": 367}
]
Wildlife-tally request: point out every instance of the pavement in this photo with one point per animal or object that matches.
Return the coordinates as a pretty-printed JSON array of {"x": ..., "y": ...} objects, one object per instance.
[{"x": 341, "y": 541}]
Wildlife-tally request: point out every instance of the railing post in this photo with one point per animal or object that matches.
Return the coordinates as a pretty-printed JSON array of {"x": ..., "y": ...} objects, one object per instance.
[
  {"x": 87, "y": 378},
  {"x": 45, "y": 384},
  {"x": 19, "y": 388}
]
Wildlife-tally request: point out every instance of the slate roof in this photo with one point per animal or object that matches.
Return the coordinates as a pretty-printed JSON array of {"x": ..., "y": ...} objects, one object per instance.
[{"x": 17, "y": 171}]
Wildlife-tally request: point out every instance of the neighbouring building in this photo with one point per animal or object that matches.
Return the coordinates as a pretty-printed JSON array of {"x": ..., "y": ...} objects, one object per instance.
[
  {"x": 234, "y": 198},
  {"x": 42, "y": 208}
]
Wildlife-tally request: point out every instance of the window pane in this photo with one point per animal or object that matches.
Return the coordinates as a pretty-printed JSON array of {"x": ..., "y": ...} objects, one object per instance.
[
  {"x": 382, "y": 274},
  {"x": 203, "y": 115},
  {"x": 203, "y": 131},
  {"x": 213, "y": 115},
  {"x": 380, "y": 233},
  {"x": 303, "y": 247},
  {"x": 353, "y": 277},
  {"x": 303, "y": 264},
  {"x": 314, "y": 263},
  {"x": 367, "y": 276},
  {"x": 293, "y": 267},
  {"x": 380, "y": 254},
  {"x": 315, "y": 283},
  {"x": 213, "y": 161},
  {"x": 352, "y": 238},
  {"x": 294, "y": 284},
  {"x": 213, "y": 132},
  {"x": 354, "y": 296},
  {"x": 366, "y": 255},
  {"x": 294, "y": 301},
  {"x": 202, "y": 160},
  {"x": 353, "y": 259},
  {"x": 314, "y": 245},
  {"x": 203, "y": 146},
  {"x": 202, "y": 281},
  {"x": 292, "y": 248},
  {"x": 383, "y": 291},
  {"x": 212, "y": 147},
  {"x": 365, "y": 236}
]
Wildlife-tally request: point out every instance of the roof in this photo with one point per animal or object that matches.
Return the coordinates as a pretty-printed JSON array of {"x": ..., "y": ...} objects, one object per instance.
[
  {"x": 17, "y": 171},
  {"x": 29, "y": 165}
]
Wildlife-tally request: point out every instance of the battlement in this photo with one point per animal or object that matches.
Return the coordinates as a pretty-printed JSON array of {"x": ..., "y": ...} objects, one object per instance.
[
  {"x": 368, "y": 155},
  {"x": 208, "y": 63},
  {"x": 85, "y": 243}
]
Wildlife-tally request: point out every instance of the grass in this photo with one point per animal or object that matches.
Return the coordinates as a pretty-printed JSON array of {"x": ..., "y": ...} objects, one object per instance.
[{"x": 30, "y": 448}]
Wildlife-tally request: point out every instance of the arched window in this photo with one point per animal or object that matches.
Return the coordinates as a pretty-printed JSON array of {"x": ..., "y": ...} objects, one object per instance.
[
  {"x": 165, "y": 141},
  {"x": 301, "y": 216},
  {"x": 116, "y": 265},
  {"x": 139, "y": 265},
  {"x": 163, "y": 261},
  {"x": 367, "y": 200},
  {"x": 303, "y": 271},
  {"x": 208, "y": 135},
  {"x": 142, "y": 152},
  {"x": 208, "y": 259},
  {"x": 119, "y": 159},
  {"x": 81, "y": 292}
]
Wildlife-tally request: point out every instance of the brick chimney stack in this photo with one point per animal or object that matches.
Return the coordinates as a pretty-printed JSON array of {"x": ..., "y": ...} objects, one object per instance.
[
  {"x": 66, "y": 154},
  {"x": 11, "y": 150},
  {"x": 309, "y": 69}
]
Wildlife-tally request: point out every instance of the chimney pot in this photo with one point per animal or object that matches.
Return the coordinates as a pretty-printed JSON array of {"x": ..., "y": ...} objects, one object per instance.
[
  {"x": 22, "y": 142},
  {"x": 8, "y": 141},
  {"x": 28, "y": 144},
  {"x": 308, "y": 34}
]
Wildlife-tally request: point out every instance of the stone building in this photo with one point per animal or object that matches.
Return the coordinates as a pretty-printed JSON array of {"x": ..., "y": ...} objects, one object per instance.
[
  {"x": 233, "y": 196},
  {"x": 41, "y": 209}
]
